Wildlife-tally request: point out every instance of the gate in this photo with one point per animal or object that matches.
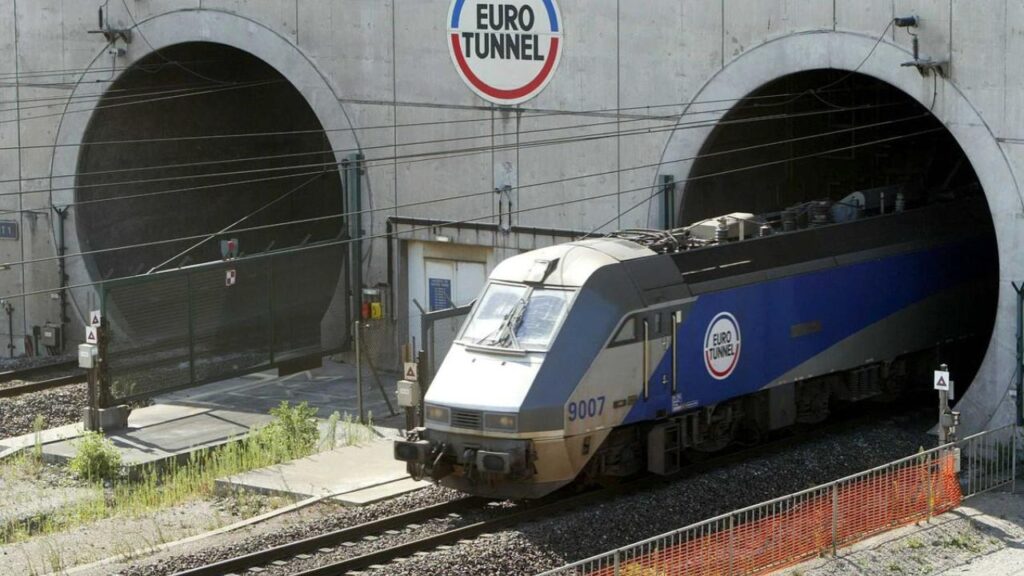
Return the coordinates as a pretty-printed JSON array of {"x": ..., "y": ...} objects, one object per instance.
[
  {"x": 181, "y": 328},
  {"x": 438, "y": 332}
]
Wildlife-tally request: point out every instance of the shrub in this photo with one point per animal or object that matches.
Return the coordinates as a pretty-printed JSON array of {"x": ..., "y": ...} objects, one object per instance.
[
  {"x": 97, "y": 458},
  {"x": 292, "y": 433}
]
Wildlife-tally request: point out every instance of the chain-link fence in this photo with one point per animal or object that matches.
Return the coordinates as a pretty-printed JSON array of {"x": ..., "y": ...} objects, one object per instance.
[
  {"x": 787, "y": 530},
  {"x": 181, "y": 328}
]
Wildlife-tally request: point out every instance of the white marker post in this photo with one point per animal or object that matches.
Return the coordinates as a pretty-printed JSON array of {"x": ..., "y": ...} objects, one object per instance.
[{"x": 947, "y": 418}]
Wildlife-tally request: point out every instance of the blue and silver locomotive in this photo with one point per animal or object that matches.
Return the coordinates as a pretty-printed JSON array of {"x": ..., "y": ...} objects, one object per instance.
[{"x": 605, "y": 357}]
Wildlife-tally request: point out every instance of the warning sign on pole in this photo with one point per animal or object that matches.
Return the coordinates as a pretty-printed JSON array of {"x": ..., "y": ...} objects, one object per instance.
[
  {"x": 91, "y": 335},
  {"x": 410, "y": 372},
  {"x": 941, "y": 380},
  {"x": 95, "y": 318},
  {"x": 229, "y": 277}
]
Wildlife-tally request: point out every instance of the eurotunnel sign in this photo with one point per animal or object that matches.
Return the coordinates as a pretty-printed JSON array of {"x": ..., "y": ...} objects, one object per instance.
[
  {"x": 722, "y": 346},
  {"x": 506, "y": 52}
]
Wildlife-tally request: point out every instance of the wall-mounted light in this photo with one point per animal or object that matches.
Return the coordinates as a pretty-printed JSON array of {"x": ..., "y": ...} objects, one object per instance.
[
  {"x": 441, "y": 238},
  {"x": 923, "y": 65}
]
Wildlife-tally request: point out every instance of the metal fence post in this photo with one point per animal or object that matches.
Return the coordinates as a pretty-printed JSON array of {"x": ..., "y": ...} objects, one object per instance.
[
  {"x": 1013, "y": 460},
  {"x": 931, "y": 489},
  {"x": 359, "y": 373},
  {"x": 615, "y": 563},
  {"x": 191, "y": 329},
  {"x": 835, "y": 518},
  {"x": 732, "y": 525},
  {"x": 270, "y": 307}
]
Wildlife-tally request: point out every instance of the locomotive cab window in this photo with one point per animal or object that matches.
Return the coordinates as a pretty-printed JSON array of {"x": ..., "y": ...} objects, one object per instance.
[
  {"x": 516, "y": 317},
  {"x": 627, "y": 333}
]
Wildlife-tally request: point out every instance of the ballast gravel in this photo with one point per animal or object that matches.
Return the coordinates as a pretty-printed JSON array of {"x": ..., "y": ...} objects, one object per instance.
[
  {"x": 58, "y": 407},
  {"x": 574, "y": 535},
  {"x": 340, "y": 517},
  {"x": 579, "y": 534}
]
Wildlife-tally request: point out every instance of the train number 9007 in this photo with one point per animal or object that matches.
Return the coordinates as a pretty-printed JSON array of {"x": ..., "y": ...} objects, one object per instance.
[{"x": 585, "y": 408}]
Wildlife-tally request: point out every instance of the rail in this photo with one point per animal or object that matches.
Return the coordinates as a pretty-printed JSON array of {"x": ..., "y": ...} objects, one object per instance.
[
  {"x": 32, "y": 371},
  {"x": 793, "y": 528}
]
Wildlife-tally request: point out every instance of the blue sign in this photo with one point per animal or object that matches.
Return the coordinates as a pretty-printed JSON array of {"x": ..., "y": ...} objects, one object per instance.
[
  {"x": 440, "y": 294},
  {"x": 8, "y": 230}
]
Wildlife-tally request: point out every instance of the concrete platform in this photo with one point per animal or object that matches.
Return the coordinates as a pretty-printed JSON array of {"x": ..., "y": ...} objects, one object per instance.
[
  {"x": 211, "y": 415},
  {"x": 352, "y": 475}
]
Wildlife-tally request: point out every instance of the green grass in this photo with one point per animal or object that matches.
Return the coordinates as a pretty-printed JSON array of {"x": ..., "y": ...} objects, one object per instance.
[{"x": 291, "y": 434}]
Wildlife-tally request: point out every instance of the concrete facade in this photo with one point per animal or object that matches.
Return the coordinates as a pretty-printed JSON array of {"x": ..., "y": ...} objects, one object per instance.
[{"x": 378, "y": 76}]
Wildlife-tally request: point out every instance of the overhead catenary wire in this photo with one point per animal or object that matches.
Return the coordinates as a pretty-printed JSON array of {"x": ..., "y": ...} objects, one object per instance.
[
  {"x": 453, "y": 222},
  {"x": 128, "y": 94},
  {"x": 669, "y": 125},
  {"x": 265, "y": 178},
  {"x": 539, "y": 113},
  {"x": 227, "y": 228},
  {"x": 147, "y": 101}
]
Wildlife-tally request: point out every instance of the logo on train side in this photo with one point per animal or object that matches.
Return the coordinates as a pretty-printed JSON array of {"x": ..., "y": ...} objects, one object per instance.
[
  {"x": 722, "y": 346},
  {"x": 506, "y": 52}
]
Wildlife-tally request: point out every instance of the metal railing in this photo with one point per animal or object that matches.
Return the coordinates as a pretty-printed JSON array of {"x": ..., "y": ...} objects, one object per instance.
[
  {"x": 799, "y": 526},
  {"x": 439, "y": 329}
]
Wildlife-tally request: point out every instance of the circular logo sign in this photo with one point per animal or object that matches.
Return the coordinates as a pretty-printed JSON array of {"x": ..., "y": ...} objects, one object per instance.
[
  {"x": 722, "y": 346},
  {"x": 505, "y": 51}
]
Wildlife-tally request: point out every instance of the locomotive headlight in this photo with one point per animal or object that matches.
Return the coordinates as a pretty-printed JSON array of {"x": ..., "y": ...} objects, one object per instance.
[
  {"x": 500, "y": 422},
  {"x": 438, "y": 414}
]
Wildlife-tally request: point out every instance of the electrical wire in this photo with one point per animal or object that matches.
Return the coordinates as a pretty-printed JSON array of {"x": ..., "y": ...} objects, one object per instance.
[
  {"x": 310, "y": 173},
  {"x": 457, "y": 222},
  {"x": 149, "y": 101},
  {"x": 135, "y": 28},
  {"x": 668, "y": 126},
  {"x": 57, "y": 101},
  {"x": 602, "y": 112}
]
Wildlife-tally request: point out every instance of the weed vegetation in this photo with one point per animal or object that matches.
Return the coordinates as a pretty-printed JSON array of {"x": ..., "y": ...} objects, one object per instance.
[
  {"x": 291, "y": 434},
  {"x": 97, "y": 458}
]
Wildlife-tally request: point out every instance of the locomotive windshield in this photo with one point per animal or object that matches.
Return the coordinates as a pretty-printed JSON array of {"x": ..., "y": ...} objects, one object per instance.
[{"x": 516, "y": 317}]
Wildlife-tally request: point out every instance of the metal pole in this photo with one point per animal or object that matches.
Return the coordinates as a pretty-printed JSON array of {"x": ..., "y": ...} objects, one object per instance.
[
  {"x": 90, "y": 420},
  {"x": 103, "y": 375},
  {"x": 835, "y": 518},
  {"x": 931, "y": 493},
  {"x": 423, "y": 369},
  {"x": 359, "y": 373},
  {"x": 1020, "y": 354},
  {"x": 731, "y": 531},
  {"x": 353, "y": 184},
  {"x": 9, "y": 309},
  {"x": 62, "y": 214},
  {"x": 616, "y": 563},
  {"x": 1013, "y": 460},
  {"x": 943, "y": 409}
]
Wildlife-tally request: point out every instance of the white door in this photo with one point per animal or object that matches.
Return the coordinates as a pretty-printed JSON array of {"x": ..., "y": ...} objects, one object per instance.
[{"x": 469, "y": 281}]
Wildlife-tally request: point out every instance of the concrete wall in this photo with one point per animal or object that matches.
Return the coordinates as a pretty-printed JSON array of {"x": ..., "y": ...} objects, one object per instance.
[{"x": 373, "y": 69}]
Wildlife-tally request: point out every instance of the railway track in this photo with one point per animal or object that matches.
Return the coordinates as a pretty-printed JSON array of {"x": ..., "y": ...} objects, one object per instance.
[
  {"x": 34, "y": 384},
  {"x": 331, "y": 539},
  {"x": 558, "y": 503}
]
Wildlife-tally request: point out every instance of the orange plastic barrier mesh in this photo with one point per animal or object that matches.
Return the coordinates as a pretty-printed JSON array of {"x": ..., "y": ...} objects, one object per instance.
[{"x": 776, "y": 535}]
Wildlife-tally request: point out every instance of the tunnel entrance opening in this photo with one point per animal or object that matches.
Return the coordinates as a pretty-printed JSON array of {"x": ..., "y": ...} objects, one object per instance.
[
  {"x": 195, "y": 145},
  {"x": 194, "y": 139},
  {"x": 878, "y": 139}
]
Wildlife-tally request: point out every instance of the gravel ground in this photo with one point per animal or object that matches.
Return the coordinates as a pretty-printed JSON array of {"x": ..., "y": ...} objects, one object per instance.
[
  {"x": 548, "y": 543},
  {"x": 121, "y": 535},
  {"x": 19, "y": 362},
  {"x": 981, "y": 538},
  {"x": 58, "y": 407},
  {"x": 339, "y": 517},
  {"x": 579, "y": 534}
]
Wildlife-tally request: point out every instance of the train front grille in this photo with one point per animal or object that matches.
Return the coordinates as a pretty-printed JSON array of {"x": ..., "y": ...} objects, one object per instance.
[{"x": 467, "y": 419}]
